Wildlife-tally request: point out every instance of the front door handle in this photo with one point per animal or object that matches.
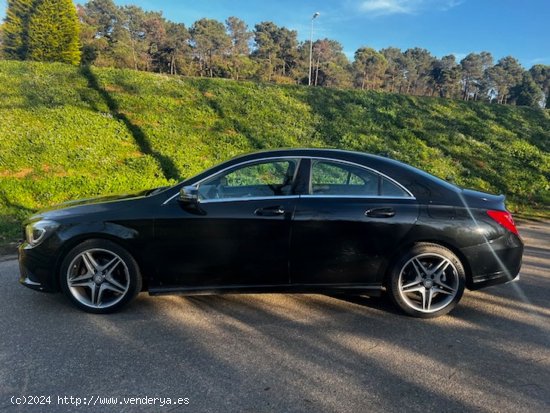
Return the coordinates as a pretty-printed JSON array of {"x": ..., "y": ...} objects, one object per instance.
[
  {"x": 380, "y": 213},
  {"x": 270, "y": 211}
]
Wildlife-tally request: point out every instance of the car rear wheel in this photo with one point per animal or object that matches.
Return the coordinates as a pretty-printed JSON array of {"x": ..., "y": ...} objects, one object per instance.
[
  {"x": 100, "y": 277},
  {"x": 427, "y": 281}
]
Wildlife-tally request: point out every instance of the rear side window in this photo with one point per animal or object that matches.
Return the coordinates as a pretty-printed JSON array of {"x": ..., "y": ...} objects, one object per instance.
[
  {"x": 334, "y": 178},
  {"x": 389, "y": 188}
]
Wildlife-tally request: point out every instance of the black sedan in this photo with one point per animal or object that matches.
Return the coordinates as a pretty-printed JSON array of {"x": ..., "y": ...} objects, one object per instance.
[{"x": 299, "y": 221}]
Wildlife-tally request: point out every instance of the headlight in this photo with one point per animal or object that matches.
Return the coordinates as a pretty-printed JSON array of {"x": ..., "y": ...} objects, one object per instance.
[{"x": 36, "y": 232}]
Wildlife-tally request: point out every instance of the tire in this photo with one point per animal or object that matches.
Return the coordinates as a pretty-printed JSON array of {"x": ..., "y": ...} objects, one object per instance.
[
  {"x": 99, "y": 276},
  {"x": 427, "y": 281}
]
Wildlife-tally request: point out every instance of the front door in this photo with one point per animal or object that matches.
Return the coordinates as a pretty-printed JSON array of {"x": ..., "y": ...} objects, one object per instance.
[{"x": 239, "y": 234}]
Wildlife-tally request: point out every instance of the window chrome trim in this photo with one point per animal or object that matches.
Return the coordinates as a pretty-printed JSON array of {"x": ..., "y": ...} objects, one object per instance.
[
  {"x": 357, "y": 196},
  {"x": 299, "y": 158},
  {"x": 252, "y": 198}
]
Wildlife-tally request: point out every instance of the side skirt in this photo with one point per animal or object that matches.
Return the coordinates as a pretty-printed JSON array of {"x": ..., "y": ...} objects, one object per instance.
[{"x": 364, "y": 289}]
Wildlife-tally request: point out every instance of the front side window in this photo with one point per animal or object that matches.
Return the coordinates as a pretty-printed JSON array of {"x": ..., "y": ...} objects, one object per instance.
[
  {"x": 334, "y": 178},
  {"x": 262, "y": 179}
]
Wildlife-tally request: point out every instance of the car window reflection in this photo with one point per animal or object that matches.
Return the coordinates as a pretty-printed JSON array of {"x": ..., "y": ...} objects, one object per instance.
[{"x": 264, "y": 179}]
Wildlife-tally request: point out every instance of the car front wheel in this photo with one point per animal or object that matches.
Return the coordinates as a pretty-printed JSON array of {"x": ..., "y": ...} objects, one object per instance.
[
  {"x": 100, "y": 276},
  {"x": 427, "y": 281}
]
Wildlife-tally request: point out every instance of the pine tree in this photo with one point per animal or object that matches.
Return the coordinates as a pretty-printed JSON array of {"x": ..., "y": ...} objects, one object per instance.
[
  {"x": 15, "y": 29},
  {"x": 53, "y": 32},
  {"x": 527, "y": 92}
]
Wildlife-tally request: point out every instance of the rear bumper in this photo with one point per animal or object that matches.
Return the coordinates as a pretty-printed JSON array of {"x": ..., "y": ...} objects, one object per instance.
[
  {"x": 492, "y": 279},
  {"x": 494, "y": 262}
]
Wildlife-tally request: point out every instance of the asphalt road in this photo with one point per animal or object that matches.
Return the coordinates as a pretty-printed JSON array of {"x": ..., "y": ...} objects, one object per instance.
[{"x": 284, "y": 353}]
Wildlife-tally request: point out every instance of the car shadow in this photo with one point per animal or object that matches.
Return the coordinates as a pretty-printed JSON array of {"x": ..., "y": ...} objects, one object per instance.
[{"x": 382, "y": 303}]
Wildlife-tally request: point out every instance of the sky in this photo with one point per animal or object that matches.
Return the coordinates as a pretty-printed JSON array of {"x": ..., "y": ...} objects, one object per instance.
[{"x": 502, "y": 27}]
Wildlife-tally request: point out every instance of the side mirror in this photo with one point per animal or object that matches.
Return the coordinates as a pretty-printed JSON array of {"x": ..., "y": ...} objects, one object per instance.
[{"x": 189, "y": 195}]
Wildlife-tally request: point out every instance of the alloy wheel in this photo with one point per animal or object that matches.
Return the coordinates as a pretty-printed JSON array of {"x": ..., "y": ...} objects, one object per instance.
[
  {"x": 428, "y": 282},
  {"x": 98, "y": 278}
]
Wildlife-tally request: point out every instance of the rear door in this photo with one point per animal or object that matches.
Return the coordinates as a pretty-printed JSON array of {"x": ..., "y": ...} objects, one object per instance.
[{"x": 347, "y": 224}]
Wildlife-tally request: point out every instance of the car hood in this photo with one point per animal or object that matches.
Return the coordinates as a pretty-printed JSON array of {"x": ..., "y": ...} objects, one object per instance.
[{"x": 89, "y": 205}]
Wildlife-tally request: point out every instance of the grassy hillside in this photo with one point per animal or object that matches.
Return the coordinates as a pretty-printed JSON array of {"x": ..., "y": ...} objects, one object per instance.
[{"x": 69, "y": 132}]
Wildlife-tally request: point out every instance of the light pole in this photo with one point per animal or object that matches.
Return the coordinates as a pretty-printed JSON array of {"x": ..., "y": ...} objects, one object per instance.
[{"x": 311, "y": 47}]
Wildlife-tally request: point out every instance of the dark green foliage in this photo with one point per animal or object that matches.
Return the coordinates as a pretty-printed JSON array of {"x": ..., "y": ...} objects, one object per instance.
[
  {"x": 15, "y": 29},
  {"x": 503, "y": 76},
  {"x": 69, "y": 133},
  {"x": 526, "y": 93},
  {"x": 541, "y": 76},
  {"x": 369, "y": 66},
  {"x": 211, "y": 43},
  {"x": 276, "y": 49},
  {"x": 473, "y": 69},
  {"x": 44, "y": 30},
  {"x": 53, "y": 32}
]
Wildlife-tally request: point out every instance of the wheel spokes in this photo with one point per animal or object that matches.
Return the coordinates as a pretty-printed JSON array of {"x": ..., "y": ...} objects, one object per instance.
[
  {"x": 87, "y": 284},
  {"x": 83, "y": 277},
  {"x": 421, "y": 271},
  {"x": 413, "y": 287},
  {"x": 111, "y": 265},
  {"x": 93, "y": 293},
  {"x": 427, "y": 299},
  {"x": 442, "y": 291},
  {"x": 428, "y": 282},
  {"x": 446, "y": 289},
  {"x": 114, "y": 286},
  {"x": 105, "y": 282},
  {"x": 440, "y": 268},
  {"x": 89, "y": 262}
]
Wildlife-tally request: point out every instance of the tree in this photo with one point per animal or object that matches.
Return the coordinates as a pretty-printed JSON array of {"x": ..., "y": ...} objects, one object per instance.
[
  {"x": 100, "y": 25},
  {"x": 541, "y": 76},
  {"x": 504, "y": 75},
  {"x": 395, "y": 70},
  {"x": 369, "y": 66},
  {"x": 445, "y": 76},
  {"x": 16, "y": 28},
  {"x": 153, "y": 39},
  {"x": 239, "y": 50},
  {"x": 330, "y": 64},
  {"x": 473, "y": 69},
  {"x": 134, "y": 24},
  {"x": 210, "y": 43},
  {"x": 276, "y": 49},
  {"x": 53, "y": 32},
  {"x": 176, "y": 47},
  {"x": 527, "y": 92},
  {"x": 418, "y": 73},
  {"x": 104, "y": 16},
  {"x": 240, "y": 36}
]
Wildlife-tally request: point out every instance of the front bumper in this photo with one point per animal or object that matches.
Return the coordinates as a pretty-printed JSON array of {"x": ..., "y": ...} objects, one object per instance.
[{"x": 36, "y": 269}]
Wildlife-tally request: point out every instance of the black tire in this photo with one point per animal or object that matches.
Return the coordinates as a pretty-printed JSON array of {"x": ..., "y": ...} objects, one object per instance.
[
  {"x": 85, "y": 280},
  {"x": 412, "y": 270}
]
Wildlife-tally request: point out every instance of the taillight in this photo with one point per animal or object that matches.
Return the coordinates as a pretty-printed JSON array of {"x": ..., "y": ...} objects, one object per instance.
[{"x": 505, "y": 219}]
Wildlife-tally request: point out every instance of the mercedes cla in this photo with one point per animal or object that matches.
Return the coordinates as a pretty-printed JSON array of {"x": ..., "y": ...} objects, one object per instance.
[{"x": 295, "y": 221}]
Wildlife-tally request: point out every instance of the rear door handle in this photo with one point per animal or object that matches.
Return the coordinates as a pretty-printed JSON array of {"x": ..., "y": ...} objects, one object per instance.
[
  {"x": 380, "y": 213},
  {"x": 270, "y": 211}
]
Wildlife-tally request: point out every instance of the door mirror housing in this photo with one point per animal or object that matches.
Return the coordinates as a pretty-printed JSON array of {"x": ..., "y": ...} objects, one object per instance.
[{"x": 189, "y": 195}]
